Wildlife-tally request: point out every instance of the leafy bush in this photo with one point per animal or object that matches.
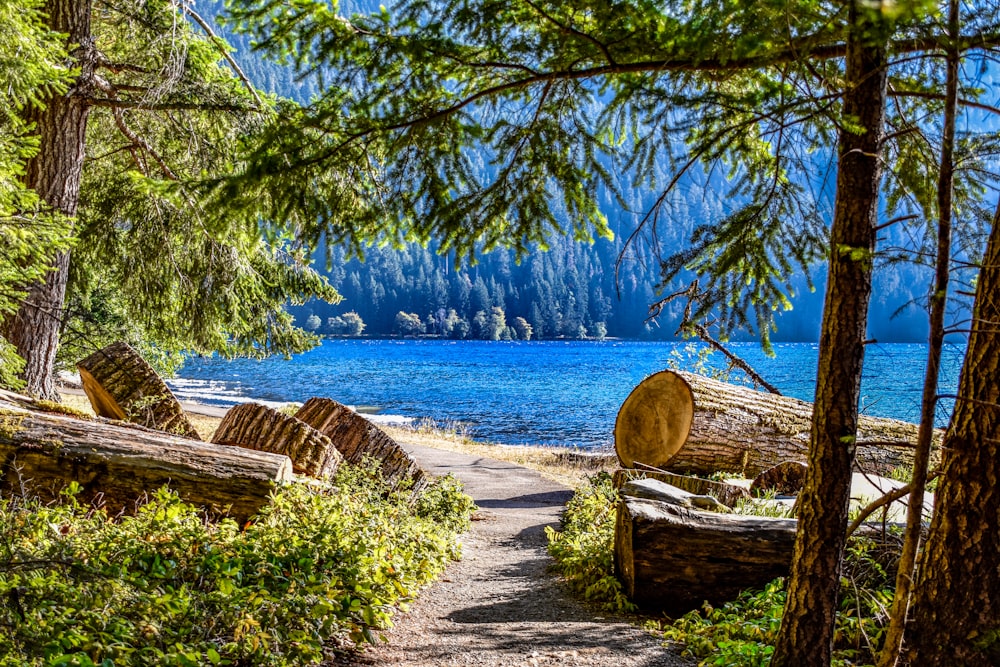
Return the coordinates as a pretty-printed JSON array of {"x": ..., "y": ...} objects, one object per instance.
[
  {"x": 583, "y": 550},
  {"x": 319, "y": 568},
  {"x": 742, "y": 633}
]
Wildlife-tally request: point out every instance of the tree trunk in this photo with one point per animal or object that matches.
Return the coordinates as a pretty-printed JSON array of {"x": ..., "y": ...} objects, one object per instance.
[
  {"x": 672, "y": 558},
  {"x": 906, "y": 573},
  {"x": 956, "y": 603},
  {"x": 121, "y": 385},
  {"x": 740, "y": 430},
  {"x": 259, "y": 427},
  {"x": 54, "y": 173},
  {"x": 117, "y": 465},
  {"x": 356, "y": 437},
  {"x": 805, "y": 638}
]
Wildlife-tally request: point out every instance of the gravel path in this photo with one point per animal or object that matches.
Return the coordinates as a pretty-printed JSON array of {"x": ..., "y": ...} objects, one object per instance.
[{"x": 499, "y": 606}]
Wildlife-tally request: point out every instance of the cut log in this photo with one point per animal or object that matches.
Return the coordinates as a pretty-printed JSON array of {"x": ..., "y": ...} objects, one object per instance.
[
  {"x": 738, "y": 430},
  {"x": 654, "y": 489},
  {"x": 356, "y": 437},
  {"x": 672, "y": 558},
  {"x": 654, "y": 420},
  {"x": 255, "y": 426},
  {"x": 727, "y": 494},
  {"x": 121, "y": 385},
  {"x": 116, "y": 464},
  {"x": 785, "y": 479}
]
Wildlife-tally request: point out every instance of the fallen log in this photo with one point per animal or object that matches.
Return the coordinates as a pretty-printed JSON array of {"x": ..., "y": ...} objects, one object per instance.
[
  {"x": 727, "y": 494},
  {"x": 121, "y": 385},
  {"x": 255, "y": 426},
  {"x": 355, "y": 437},
  {"x": 785, "y": 479},
  {"x": 117, "y": 464},
  {"x": 739, "y": 430},
  {"x": 672, "y": 558}
]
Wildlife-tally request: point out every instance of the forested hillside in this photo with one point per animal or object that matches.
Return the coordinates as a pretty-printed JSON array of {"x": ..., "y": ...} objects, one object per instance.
[{"x": 574, "y": 289}]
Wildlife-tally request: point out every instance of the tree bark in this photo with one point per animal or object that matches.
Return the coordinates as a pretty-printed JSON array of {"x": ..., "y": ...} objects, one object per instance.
[
  {"x": 956, "y": 604},
  {"x": 54, "y": 173},
  {"x": 727, "y": 494},
  {"x": 740, "y": 430},
  {"x": 805, "y": 638},
  {"x": 355, "y": 438},
  {"x": 673, "y": 558},
  {"x": 121, "y": 385},
  {"x": 939, "y": 300},
  {"x": 117, "y": 465},
  {"x": 259, "y": 427}
]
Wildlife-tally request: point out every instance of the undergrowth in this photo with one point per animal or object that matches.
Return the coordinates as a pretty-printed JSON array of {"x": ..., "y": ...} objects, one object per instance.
[
  {"x": 318, "y": 569},
  {"x": 740, "y": 633},
  {"x": 583, "y": 548}
]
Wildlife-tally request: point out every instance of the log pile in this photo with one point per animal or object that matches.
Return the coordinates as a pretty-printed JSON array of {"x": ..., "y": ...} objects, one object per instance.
[
  {"x": 116, "y": 464},
  {"x": 356, "y": 438},
  {"x": 121, "y": 385}
]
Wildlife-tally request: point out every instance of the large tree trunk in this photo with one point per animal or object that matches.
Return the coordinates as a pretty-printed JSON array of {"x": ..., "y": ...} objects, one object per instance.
[
  {"x": 740, "y": 430},
  {"x": 356, "y": 437},
  {"x": 116, "y": 465},
  {"x": 806, "y": 635},
  {"x": 121, "y": 385},
  {"x": 259, "y": 427},
  {"x": 672, "y": 557},
  {"x": 956, "y": 603},
  {"x": 54, "y": 173}
]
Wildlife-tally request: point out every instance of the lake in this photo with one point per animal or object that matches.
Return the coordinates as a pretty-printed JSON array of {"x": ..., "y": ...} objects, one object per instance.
[{"x": 563, "y": 393}]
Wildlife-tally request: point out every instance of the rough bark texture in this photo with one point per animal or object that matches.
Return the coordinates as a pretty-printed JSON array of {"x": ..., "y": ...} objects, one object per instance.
[
  {"x": 259, "y": 427},
  {"x": 785, "y": 478},
  {"x": 117, "y": 464},
  {"x": 737, "y": 429},
  {"x": 356, "y": 437},
  {"x": 956, "y": 604},
  {"x": 654, "y": 420},
  {"x": 727, "y": 494},
  {"x": 672, "y": 558},
  {"x": 121, "y": 385},
  {"x": 805, "y": 638},
  {"x": 54, "y": 173}
]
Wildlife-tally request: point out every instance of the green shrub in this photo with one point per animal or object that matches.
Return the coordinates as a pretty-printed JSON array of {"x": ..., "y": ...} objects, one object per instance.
[
  {"x": 583, "y": 549},
  {"x": 317, "y": 569}
]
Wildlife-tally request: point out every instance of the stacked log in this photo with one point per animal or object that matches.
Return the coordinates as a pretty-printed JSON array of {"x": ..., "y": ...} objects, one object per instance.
[
  {"x": 671, "y": 556},
  {"x": 258, "y": 427},
  {"x": 356, "y": 437},
  {"x": 116, "y": 464},
  {"x": 738, "y": 430},
  {"x": 121, "y": 385}
]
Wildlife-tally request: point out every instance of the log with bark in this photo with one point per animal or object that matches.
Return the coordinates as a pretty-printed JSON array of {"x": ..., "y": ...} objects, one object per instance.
[
  {"x": 116, "y": 464},
  {"x": 356, "y": 437},
  {"x": 121, "y": 385},
  {"x": 739, "y": 430},
  {"x": 727, "y": 494},
  {"x": 255, "y": 426},
  {"x": 672, "y": 557}
]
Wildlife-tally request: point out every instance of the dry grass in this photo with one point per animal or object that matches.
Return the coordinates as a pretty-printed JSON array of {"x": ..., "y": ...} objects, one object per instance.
[{"x": 566, "y": 466}]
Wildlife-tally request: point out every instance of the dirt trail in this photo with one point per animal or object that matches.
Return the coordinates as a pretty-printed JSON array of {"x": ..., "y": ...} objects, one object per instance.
[{"x": 499, "y": 606}]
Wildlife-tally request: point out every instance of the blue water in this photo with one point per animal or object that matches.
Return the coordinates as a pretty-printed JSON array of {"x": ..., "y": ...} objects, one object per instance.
[{"x": 549, "y": 392}]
